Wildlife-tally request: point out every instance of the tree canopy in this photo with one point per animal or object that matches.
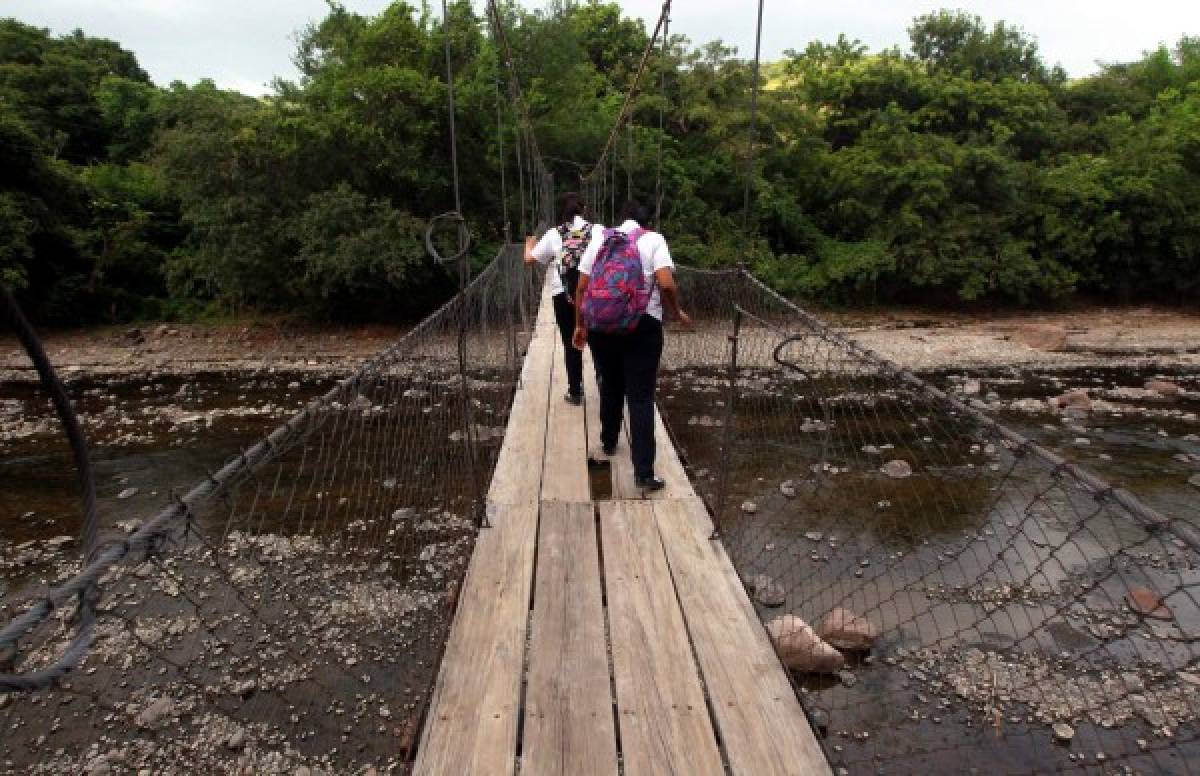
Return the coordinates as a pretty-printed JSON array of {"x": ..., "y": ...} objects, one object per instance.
[{"x": 963, "y": 169}]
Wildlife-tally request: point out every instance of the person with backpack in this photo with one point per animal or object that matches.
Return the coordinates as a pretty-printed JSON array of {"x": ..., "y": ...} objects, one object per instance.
[
  {"x": 563, "y": 248},
  {"x": 625, "y": 280}
]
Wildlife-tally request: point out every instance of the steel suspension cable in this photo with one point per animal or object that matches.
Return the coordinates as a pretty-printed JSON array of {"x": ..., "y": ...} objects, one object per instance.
[
  {"x": 500, "y": 155},
  {"x": 454, "y": 216},
  {"x": 450, "y": 99},
  {"x": 627, "y": 105},
  {"x": 751, "y": 154},
  {"x": 662, "y": 122}
]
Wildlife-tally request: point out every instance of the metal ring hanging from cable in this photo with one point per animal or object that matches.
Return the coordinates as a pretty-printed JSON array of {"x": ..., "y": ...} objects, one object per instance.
[
  {"x": 464, "y": 237},
  {"x": 455, "y": 215}
]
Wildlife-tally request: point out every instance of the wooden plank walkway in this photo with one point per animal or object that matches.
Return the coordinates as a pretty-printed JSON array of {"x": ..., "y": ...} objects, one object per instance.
[{"x": 603, "y": 637}]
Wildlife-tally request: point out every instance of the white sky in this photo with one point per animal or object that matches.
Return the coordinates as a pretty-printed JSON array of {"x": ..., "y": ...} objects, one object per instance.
[{"x": 242, "y": 44}]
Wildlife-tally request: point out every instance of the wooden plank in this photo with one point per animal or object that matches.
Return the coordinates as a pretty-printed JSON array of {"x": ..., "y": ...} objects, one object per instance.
[
  {"x": 564, "y": 473},
  {"x": 761, "y": 722},
  {"x": 664, "y": 723},
  {"x": 472, "y": 723},
  {"x": 471, "y": 727},
  {"x": 667, "y": 464},
  {"x": 525, "y": 435},
  {"x": 569, "y": 725},
  {"x": 623, "y": 486},
  {"x": 591, "y": 405}
]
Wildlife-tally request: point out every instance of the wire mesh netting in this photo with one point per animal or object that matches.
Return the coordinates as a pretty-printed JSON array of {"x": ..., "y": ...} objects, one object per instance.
[
  {"x": 290, "y": 611},
  {"x": 949, "y": 595}
]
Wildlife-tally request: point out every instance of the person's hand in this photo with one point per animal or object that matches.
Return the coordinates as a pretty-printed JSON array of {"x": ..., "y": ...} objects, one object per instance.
[
  {"x": 685, "y": 320},
  {"x": 579, "y": 338},
  {"x": 530, "y": 242}
]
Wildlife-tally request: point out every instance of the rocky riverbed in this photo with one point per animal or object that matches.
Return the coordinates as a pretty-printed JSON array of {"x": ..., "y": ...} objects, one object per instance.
[{"x": 996, "y": 624}]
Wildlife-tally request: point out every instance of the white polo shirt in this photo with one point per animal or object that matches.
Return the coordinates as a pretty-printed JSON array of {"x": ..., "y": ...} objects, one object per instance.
[
  {"x": 655, "y": 256},
  {"x": 549, "y": 249}
]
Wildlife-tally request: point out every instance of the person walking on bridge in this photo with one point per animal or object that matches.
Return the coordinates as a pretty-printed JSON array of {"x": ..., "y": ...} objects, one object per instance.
[
  {"x": 562, "y": 248},
  {"x": 625, "y": 279}
]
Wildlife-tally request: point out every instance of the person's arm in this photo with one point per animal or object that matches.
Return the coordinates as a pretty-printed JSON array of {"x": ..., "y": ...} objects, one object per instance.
[
  {"x": 542, "y": 251},
  {"x": 579, "y": 338},
  {"x": 670, "y": 295}
]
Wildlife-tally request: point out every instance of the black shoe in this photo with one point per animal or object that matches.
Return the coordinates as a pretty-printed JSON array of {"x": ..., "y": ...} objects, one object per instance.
[
  {"x": 649, "y": 483},
  {"x": 574, "y": 398}
]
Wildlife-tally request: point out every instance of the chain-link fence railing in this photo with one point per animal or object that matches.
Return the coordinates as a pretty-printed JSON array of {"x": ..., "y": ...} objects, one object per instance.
[
  {"x": 952, "y": 597},
  {"x": 289, "y": 612}
]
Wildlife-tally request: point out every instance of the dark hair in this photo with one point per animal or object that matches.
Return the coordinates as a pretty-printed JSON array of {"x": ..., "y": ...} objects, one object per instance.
[
  {"x": 636, "y": 211},
  {"x": 570, "y": 204}
]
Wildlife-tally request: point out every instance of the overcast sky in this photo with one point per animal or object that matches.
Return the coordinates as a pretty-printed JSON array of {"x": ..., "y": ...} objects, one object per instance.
[{"x": 243, "y": 44}]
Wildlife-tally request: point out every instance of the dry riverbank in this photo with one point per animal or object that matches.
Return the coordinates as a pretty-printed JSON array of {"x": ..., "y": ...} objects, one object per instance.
[{"x": 1133, "y": 337}]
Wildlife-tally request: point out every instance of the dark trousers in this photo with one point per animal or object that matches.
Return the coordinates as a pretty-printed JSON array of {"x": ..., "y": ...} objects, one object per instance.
[
  {"x": 564, "y": 315},
  {"x": 627, "y": 365}
]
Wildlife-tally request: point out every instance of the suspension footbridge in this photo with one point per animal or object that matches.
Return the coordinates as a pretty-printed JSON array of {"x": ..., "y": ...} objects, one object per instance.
[
  {"x": 420, "y": 572},
  {"x": 583, "y": 621}
]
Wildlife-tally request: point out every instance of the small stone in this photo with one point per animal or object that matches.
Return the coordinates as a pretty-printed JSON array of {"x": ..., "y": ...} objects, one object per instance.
[
  {"x": 897, "y": 469},
  {"x": 1077, "y": 400},
  {"x": 814, "y": 536},
  {"x": 848, "y": 679},
  {"x": 1194, "y": 480},
  {"x": 800, "y": 649},
  {"x": 236, "y": 741},
  {"x": 1162, "y": 387},
  {"x": 749, "y": 507},
  {"x": 972, "y": 387},
  {"x": 788, "y": 489},
  {"x": 844, "y": 629},
  {"x": 1148, "y": 603},
  {"x": 767, "y": 591},
  {"x": 127, "y": 493},
  {"x": 154, "y": 714},
  {"x": 1041, "y": 337},
  {"x": 1063, "y": 732}
]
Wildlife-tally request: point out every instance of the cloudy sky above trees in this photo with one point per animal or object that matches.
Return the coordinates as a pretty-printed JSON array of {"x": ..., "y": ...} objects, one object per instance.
[{"x": 243, "y": 44}]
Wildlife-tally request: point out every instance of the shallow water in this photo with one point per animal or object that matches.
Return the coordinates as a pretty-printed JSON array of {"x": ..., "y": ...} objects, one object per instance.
[
  {"x": 930, "y": 568},
  {"x": 977, "y": 557},
  {"x": 133, "y": 445}
]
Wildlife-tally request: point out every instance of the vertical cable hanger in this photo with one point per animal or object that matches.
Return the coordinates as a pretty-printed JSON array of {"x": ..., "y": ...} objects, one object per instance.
[
  {"x": 454, "y": 216},
  {"x": 629, "y": 162},
  {"x": 500, "y": 153},
  {"x": 662, "y": 122},
  {"x": 751, "y": 154}
]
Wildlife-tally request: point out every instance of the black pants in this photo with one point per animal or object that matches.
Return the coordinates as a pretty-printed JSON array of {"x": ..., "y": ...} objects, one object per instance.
[
  {"x": 564, "y": 315},
  {"x": 627, "y": 365}
]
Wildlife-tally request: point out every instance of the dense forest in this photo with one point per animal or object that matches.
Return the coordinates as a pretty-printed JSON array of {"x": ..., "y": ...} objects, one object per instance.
[{"x": 962, "y": 169}]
